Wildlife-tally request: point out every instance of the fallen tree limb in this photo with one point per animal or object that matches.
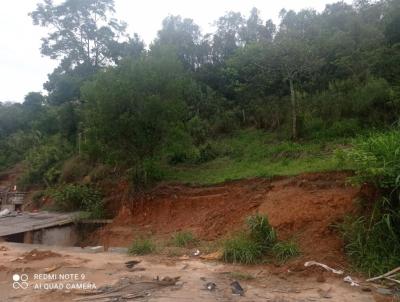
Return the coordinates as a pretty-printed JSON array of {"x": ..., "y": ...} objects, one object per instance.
[
  {"x": 393, "y": 280},
  {"x": 310, "y": 263},
  {"x": 397, "y": 269}
]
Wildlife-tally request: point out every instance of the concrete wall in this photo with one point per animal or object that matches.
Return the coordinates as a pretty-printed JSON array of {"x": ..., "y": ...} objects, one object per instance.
[{"x": 61, "y": 236}]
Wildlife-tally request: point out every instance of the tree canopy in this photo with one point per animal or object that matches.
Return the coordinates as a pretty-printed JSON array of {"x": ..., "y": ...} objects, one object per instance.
[{"x": 315, "y": 74}]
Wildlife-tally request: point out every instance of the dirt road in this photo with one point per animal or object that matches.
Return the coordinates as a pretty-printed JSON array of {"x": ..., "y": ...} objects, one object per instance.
[{"x": 43, "y": 271}]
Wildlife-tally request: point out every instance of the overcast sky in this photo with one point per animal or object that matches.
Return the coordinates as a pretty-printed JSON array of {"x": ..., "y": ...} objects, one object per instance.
[{"x": 23, "y": 69}]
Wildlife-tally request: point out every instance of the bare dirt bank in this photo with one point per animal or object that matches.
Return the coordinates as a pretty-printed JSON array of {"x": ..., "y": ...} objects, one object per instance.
[{"x": 304, "y": 207}]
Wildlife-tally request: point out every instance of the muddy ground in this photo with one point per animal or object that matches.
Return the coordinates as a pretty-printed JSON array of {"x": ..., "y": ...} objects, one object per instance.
[{"x": 105, "y": 269}]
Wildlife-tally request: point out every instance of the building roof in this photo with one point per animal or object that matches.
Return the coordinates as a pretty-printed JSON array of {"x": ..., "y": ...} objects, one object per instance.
[{"x": 33, "y": 221}]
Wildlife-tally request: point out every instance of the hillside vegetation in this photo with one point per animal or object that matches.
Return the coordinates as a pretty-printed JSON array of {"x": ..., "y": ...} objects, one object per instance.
[{"x": 319, "y": 91}]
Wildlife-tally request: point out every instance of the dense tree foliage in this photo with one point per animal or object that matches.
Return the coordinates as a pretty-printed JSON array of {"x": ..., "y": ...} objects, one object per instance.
[
  {"x": 313, "y": 75},
  {"x": 80, "y": 31}
]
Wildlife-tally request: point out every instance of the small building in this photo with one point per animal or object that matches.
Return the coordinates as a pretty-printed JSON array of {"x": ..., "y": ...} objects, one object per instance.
[{"x": 11, "y": 200}]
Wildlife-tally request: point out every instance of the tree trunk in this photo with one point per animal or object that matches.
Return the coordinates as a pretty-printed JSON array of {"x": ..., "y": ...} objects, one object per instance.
[{"x": 294, "y": 111}]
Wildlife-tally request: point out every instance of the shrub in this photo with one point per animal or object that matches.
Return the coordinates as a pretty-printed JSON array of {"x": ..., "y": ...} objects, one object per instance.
[
  {"x": 179, "y": 147},
  {"x": 207, "y": 153},
  {"x": 145, "y": 173},
  {"x": 198, "y": 129},
  {"x": 242, "y": 249},
  {"x": 261, "y": 231},
  {"x": 45, "y": 161},
  {"x": 183, "y": 239},
  {"x": 78, "y": 198},
  {"x": 249, "y": 247},
  {"x": 36, "y": 198},
  {"x": 373, "y": 241},
  {"x": 343, "y": 128},
  {"x": 376, "y": 159},
  {"x": 142, "y": 246},
  {"x": 373, "y": 244},
  {"x": 226, "y": 123},
  {"x": 74, "y": 169},
  {"x": 285, "y": 250}
]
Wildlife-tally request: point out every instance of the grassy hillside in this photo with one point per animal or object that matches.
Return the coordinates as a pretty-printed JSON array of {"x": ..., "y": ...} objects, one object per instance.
[{"x": 254, "y": 153}]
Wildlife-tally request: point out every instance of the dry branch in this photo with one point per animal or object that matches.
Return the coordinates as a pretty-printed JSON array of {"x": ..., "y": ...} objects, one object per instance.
[{"x": 388, "y": 274}]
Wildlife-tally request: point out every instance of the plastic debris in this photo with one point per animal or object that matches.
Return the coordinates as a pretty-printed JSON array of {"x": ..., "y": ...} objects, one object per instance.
[
  {"x": 237, "y": 289},
  {"x": 96, "y": 249},
  {"x": 211, "y": 286},
  {"x": 351, "y": 281},
  {"x": 5, "y": 212}
]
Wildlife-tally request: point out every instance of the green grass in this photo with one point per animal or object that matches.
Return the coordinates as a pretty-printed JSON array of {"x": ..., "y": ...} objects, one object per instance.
[
  {"x": 142, "y": 246},
  {"x": 183, "y": 239},
  {"x": 373, "y": 246},
  {"x": 248, "y": 247},
  {"x": 372, "y": 240},
  {"x": 285, "y": 250},
  {"x": 254, "y": 153},
  {"x": 261, "y": 231},
  {"x": 242, "y": 249},
  {"x": 257, "y": 241}
]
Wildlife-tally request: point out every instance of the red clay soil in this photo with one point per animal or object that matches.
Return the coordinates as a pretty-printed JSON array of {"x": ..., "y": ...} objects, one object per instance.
[{"x": 305, "y": 207}]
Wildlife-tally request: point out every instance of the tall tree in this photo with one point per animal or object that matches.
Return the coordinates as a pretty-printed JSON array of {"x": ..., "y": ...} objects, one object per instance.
[
  {"x": 255, "y": 31},
  {"x": 81, "y": 31},
  {"x": 229, "y": 35},
  {"x": 184, "y": 35},
  {"x": 295, "y": 54}
]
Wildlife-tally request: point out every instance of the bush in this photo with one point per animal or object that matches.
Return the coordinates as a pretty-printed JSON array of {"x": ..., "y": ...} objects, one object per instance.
[
  {"x": 179, "y": 147},
  {"x": 145, "y": 173},
  {"x": 242, "y": 249},
  {"x": 198, "y": 129},
  {"x": 261, "y": 231},
  {"x": 142, "y": 246},
  {"x": 373, "y": 245},
  {"x": 376, "y": 159},
  {"x": 373, "y": 241},
  {"x": 183, "y": 239},
  {"x": 250, "y": 246},
  {"x": 226, "y": 123},
  {"x": 74, "y": 169},
  {"x": 343, "y": 128},
  {"x": 45, "y": 162},
  {"x": 207, "y": 153},
  {"x": 283, "y": 251},
  {"x": 36, "y": 198},
  {"x": 78, "y": 198},
  {"x": 316, "y": 128}
]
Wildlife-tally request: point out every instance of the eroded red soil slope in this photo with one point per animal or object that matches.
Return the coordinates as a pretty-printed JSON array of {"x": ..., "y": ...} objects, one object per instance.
[{"x": 305, "y": 207}]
